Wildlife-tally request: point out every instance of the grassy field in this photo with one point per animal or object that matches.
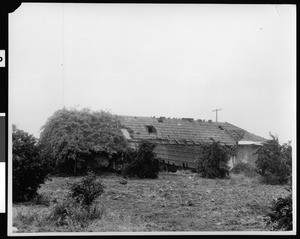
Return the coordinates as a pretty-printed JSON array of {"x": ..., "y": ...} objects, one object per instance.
[{"x": 180, "y": 201}]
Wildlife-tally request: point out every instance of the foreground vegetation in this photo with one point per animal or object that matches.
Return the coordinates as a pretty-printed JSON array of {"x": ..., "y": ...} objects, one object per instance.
[{"x": 180, "y": 201}]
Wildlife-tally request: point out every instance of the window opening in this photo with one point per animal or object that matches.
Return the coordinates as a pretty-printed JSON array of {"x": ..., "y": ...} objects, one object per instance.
[{"x": 151, "y": 129}]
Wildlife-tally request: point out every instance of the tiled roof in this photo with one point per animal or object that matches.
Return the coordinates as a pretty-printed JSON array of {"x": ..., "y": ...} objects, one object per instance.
[
  {"x": 241, "y": 134},
  {"x": 185, "y": 131}
]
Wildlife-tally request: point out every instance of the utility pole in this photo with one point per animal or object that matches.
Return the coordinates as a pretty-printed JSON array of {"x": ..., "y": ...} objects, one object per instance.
[{"x": 216, "y": 110}]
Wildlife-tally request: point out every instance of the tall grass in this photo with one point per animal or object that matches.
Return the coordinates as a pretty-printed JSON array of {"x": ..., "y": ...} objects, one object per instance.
[{"x": 71, "y": 213}]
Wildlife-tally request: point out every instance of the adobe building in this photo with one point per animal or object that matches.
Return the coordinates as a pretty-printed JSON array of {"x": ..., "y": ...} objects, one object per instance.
[{"x": 178, "y": 140}]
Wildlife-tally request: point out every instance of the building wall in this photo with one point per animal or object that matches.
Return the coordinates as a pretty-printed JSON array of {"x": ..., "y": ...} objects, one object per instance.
[
  {"x": 245, "y": 154},
  {"x": 185, "y": 155},
  {"x": 174, "y": 154},
  {"x": 178, "y": 155}
]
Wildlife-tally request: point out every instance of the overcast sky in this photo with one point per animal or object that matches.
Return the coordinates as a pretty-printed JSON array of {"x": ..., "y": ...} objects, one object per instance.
[{"x": 156, "y": 60}]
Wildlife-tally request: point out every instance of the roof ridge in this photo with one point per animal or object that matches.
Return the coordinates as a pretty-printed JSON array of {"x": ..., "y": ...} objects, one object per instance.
[{"x": 175, "y": 118}]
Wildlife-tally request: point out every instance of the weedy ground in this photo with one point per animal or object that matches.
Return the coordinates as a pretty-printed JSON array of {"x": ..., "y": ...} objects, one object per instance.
[{"x": 180, "y": 201}]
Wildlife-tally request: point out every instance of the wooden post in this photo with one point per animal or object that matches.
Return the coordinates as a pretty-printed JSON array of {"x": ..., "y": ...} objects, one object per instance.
[{"x": 216, "y": 110}]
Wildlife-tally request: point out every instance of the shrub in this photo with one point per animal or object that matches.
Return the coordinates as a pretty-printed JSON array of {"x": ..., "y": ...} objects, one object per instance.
[
  {"x": 80, "y": 207},
  {"x": 29, "y": 171},
  {"x": 72, "y": 213},
  {"x": 142, "y": 163},
  {"x": 281, "y": 213},
  {"x": 213, "y": 160},
  {"x": 244, "y": 168},
  {"x": 60, "y": 212},
  {"x": 274, "y": 161},
  {"x": 87, "y": 190}
]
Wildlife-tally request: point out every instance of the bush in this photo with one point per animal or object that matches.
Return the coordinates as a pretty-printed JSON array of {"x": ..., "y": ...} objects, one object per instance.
[
  {"x": 29, "y": 171},
  {"x": 281, "y": 214},
  {"x": 274, "y": 161},
  {"x": 244, "y": 168},
  {"x": 80, "y": 208},
  {"x": 72, "y": 213},
  {"x": 141, "y": 163},
  {"x": 213, "y": 160},
  {"x": 87, "y": 190},
  {"x": 60, "y": 212}
]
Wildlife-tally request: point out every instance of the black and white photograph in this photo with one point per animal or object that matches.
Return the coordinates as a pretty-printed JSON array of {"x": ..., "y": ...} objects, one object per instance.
[{"x": 152, "y": 119}]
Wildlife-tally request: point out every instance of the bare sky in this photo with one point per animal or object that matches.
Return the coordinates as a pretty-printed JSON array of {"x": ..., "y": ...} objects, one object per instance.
[{"x": 156, "y": 60}]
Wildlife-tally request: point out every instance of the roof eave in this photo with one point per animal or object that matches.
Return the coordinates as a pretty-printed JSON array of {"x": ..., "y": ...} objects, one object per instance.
[{"x": 244, "y": 142}]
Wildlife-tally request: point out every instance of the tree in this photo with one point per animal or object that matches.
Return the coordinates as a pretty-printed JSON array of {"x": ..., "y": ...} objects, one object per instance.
[
  {"x": 213, "y": 160},
  {"x": 71, "y": 137},
  {"x": 28, "y": 170},
  {"x": 142, "y": 163},
  {"x": 274, "y": 161}
]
